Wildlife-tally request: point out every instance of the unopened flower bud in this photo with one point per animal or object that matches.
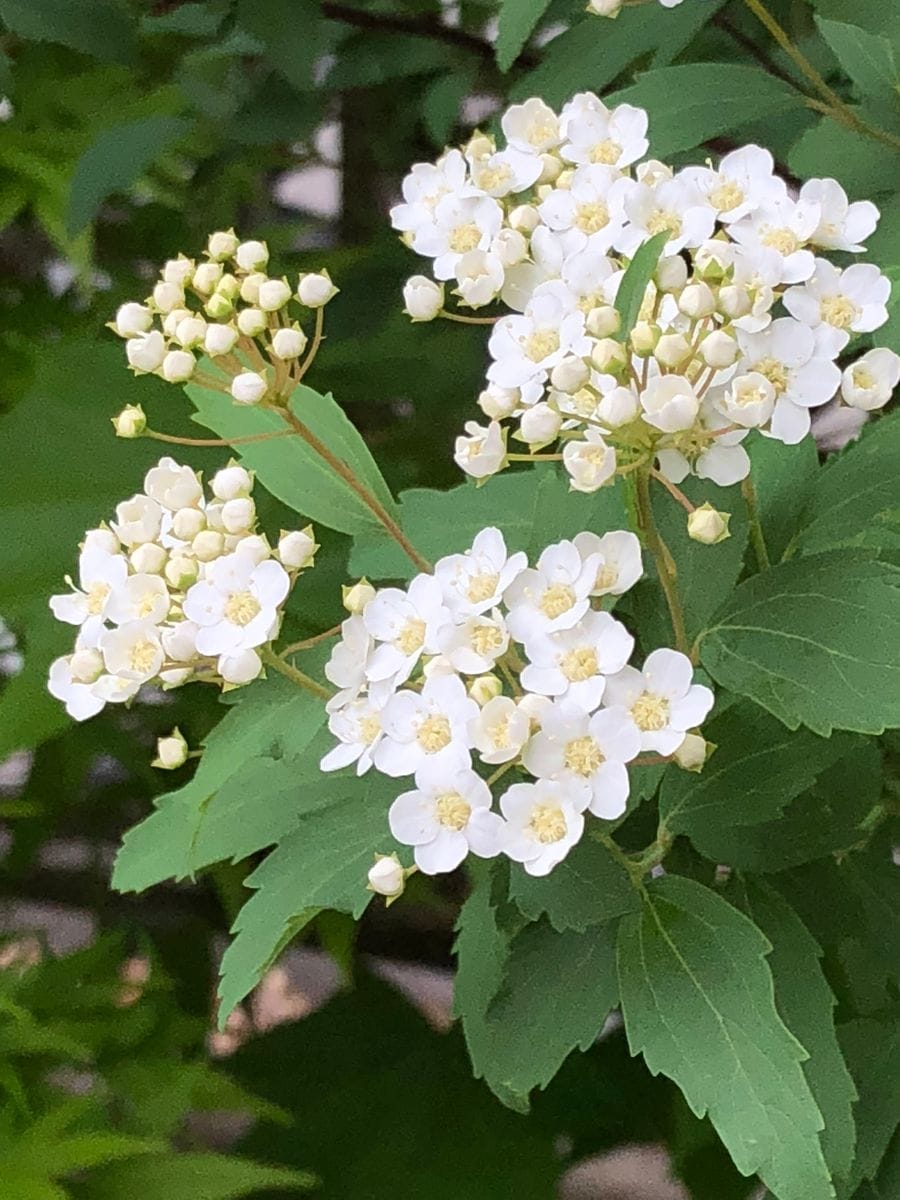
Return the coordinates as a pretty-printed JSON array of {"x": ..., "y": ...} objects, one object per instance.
[
  {"x": 219, "y": 307},
  {"x": 357, "y": 595},
  {"x": 252, "y": 256},
  {"x": 229, "y": 287},
  {"x": 248, "y": 388},
  {"x": 255, "y": 545},
  {"x": 238, "y": 669},
  {"x": 187, "y": 523},
  {"x": 167, "y": 296},
  {"x": 387, "y": 877},
  {"x": 539, "y": 424},
  {"x": 208, "y": 545},
  {"x": 222, "y": 245},
  {"x": 484, "y": 689},
  {"x": 239, "y": 514},
  {"x": 181, "y": 572},
  {"x": 206, "y": 278},
  {"x": 603, "y": 321},
  {"x": 86, "y": 666},
  {"x": 132, "y": 319},
  {"x": 146, "y": 351},
  {"x": 173, "y": 319},
  {"x": 148, "y": 559},
  {"x": 273, "y": 295},
  {"x": 671, "y": 273},
  {"x": 713, "y": 260},
  {"x": 510, "y": 247},
  {"x": 570, "y": 374},
  {"x": 479, "y": 146},
  {"x": 551, "y": 169},
  {"x": 618, "y": 407},
  {"x": 102, "y": 541},
  {"x": 297, "y": 548},
  {"x": 214, "y": 516},
  {"x": 171, "y": 751},
  {"x": 693, "y": 752},
  {"x": 250, "y": 286},
  {"x": 219, "y": 339},
  {"x": 178, "y": 366},
  {"x": 289, "y": 343},
  {"x": 719, "y": 349},
  {"x": 697, "y": 300},
  {"x": 644, "y": 338},
  {"x": 734, "y": 301},
  {"x": 604, "y": 8},
  {"x": 423, "y": 298},
  {"x": 672, "y": 349},
  {"x": 564, "y": 179},
  {"x": 315, "y": 289},
  {"x": 190, "y": 332},
  {"x": 231, "y": 482},
  {"x": 525, "y": 218},
  {"x": 251, "y": 321},
  {"x": 609, "y": 356},
  {"x": 707, "y": 525},
  {"x": 178, "y": 270},
  {"x": 130, "y": 422},
  {"x": 497, "y": 402}
]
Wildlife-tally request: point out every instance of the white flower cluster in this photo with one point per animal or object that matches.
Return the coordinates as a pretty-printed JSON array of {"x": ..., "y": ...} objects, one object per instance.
[
  {"x": 612, "y": 8},
  {"x": 739, "y": 327},
  {"x": 228, "y": 309},
  {"x": 177, "y": 588},
  {"x": 521, "y": 669}
]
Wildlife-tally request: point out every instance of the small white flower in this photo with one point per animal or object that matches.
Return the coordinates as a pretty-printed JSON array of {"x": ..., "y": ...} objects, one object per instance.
[
  {"x": 854, "y": 299},
  {"x": 506, "y": 172},
  {"x": 479, "y": 276},
  {"x": 663, "y": 700},
  {"x": 447, "y": 815},
  {"x": 724, "y": 460},
  {"x": 674, "y": 205},
  {"x": 553, "y": 595},
  {"x": 500, "y": 730},
  {"x": 423, "y": 298},
  {"x": 357, "y": 726},
  {"x": 481, "y": 450},
  {"x": 473, "y": 646},
  {"x": 133, "y": 651},
  {"x": 139, "y": 598},
  {"x": 532, "y": 127},
  {"x": 100, "y": 576},
  {"x": 590, "y": 463},
  {"x": 475, "y": 581},
  {"x": 620, "y": 556},
  {"x": 544, "y": 820},
  {"x": 459, "y": 225},
  {"x": 173, "y": 486},
  {"x": 406, "y": 626},
  {"x": 528, "y": 347},
  {"x": 75, "y": 687},
  {"x": 842, "y": 225},
  {"x": 146, "y": 351},
  {"x": 596, "y": 134},
  {"x": 749, "y": 400},
  {"x": 431, "y": 724},
  {"x": 744, "y": 180},
  {"x": 670, "y": 403},
  {"x": 593, "y": 203},
  {"x": 574, "y": 663},
  {"x": 346, "y": 667},
  {"x": 236, "y": 606},
  {"x": 249, "y": 387},
  {"x": 137, "y": 520},
  {"x": 786, "y": 227},
  {"x": 869, "y": 383},
  {"x": 425, "y": 185}
]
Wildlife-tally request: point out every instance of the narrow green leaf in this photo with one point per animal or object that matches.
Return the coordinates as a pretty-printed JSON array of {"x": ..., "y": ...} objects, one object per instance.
[
  {"x": 872, "y": 1051},
  {"x": 516, "y": 23},
  {"x": 633, "y": 287},
  {"x": 868, "y": 58},
  {"x": 697, "y": 1000},
  {"x": 588, "y": 888},
  {"x": 190, "y": 1176}
]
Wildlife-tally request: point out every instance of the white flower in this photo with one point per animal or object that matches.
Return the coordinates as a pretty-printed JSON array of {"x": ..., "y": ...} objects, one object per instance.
[
  {"x": 620, "y": 558},
  {"x": 139, "y": 598},
  {"x": 71, "y": 683},
  {"x": 785, "y": 226},
  {"x": 100, "y": 575},
  {"x": 133, "y": 651},
  {"x": 749, "y": 400},
  {"x": 675, "y": 205},
  {"x": 425, "y": 185},
  {"x": 594, "y": 133},
  {"x": 249, "y": 387},
  {"x": 406, "y": 626},
  {"x": 137, "y": 520},
  {"x": 543, "y": 822},
  {"x": 854, "y": 299},
  {"x": 132, "y": 319},
  {"x": 357, "y": 726},
  {"x": 423, "y": 298},
  {"x": 797, "y": 362},
  {"x": 724, "y": 460},
  {"x": 447, "y": 815},
  {"x": 431, "y": 724},
  {"x": 662, "y": 700},
  {"x": 173, "y": 486},
  {"x": 574, "y": 748},
  {"x": 473, "y": 646},
  {"x": 346, "y": 667},
  {"x": 552, "y": 595},
  {"x": 315, "y": 289},
  {"x": 480, "y": 276},
  {"x": 505, "y": 172},
  {"x": 590, "y": 464},
  {"x": 146, "y": 351},
  {"x": 500, "y": 730},
  {"x": 527, "y": 347},
  {"x": 474, "y": 582},
  {"x": 745, "y": 179},
  {"x": 842, "y": 225},
  {"x": 532, "y": 127},
  {"x": 869, "y": 382},
  {"x": 481, "y": 451},
  {"x": 593, "y": 203},
  {"x": 236, "y": 606},
  {"x": 670, "y": 403},
  {"x": 574, "y": 663},
  {"x": 459, "y": 225}
]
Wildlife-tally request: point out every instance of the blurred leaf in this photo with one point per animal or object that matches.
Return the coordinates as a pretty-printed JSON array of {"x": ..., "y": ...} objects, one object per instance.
[
  {"x": 868, "y": 58},
  {"x": 518, "y": 20},
  {"x": 189, "y": 1177},
  {"x": 872, "y": 1050},
  {"x": 190, "y": 20},
  {"x": 858, "y": 163},
  {"x": 290, "y": 31},
  {"x": 102, "y": 28},
  {"x": 442, "y": 103}
]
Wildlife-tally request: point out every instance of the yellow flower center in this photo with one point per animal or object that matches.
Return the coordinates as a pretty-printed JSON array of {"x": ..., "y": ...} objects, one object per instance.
[
  {"x": 578, "y": 665},
  {"x": 784, "y": 240},
  {"x": 143, "y": 655},
  {"x": 863, "y": 378},
  {"x": 592, "y": 217},
  {"x": 650, "y": 712},
  {"x": 490, "y": 178},
  {"x": 464, "y": 238},
  {"x": 542, "y": 132},
  {"x": 434, "y": 734},
  {"x": 452, "y": 811},
  {"x": 499, "y": 734},
  {"x": 748, "y": 395},
  {"x": 607, "y": 151},
  {"x": 412, "y": 636},
  {"x": 606, "y": 577},
  {"x": 556, "y": 600},
  {"x": 96, "y": 598},
  {"x": 775, "y": 371},
  {"x": 726, "y": 196},
  {"x": 839, "y": 311},
  {"x": 481, "y": 588},
  {"x": 547, "y": 824},
  {"x": 583, "y": 756},
  {"x": 667, "y": 221},
  {"x": 369, "y": 728},
  {"x": 486, "y": 638},
  {"x": 147, "y": 604},
  {"x": 241, "y": 608},
  {"x": 541, "y": 344}
]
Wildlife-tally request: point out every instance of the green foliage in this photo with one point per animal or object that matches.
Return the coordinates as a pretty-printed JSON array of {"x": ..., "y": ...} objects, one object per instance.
[
  {"x": 633, "y": 287},
  {"x": 517, "y": 21},
  {"x": 589, "y": 888},
  {"x": 867, "y": 58}
]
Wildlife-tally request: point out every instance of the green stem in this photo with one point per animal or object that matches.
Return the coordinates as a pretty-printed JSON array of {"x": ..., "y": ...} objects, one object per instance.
[
  {"x": 748, "y": 490},
  {"x": 665, "y": 564},
  {"x": 290, "y": 672},
  {"x": 463, "y": 320}
]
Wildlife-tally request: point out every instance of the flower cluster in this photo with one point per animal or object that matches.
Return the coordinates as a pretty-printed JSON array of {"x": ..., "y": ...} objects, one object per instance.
[
  {"x": 522, "y": 670},
  {"x": 612, "y": 8},
  {"x": 178, "y": 587},
  {"x": 740, "y": 326},
  {"x": 228, "y": 309}
]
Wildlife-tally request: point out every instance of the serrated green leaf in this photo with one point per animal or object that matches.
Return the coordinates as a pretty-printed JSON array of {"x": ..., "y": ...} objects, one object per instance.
[
  {"x": 516, "y": 23},
  {"x": 589, "y": 887},
  {"x": 806, "y": 1004},
  {"x": 698, "y": 1003},
  {"x": 814, "y": 641},
  {"x": 872, "y": 1050},
  {"x": 102, "y": 28},
  {"x": 784, "y": 478},
  {"x": 868, "y": 58},
  {"x": 190, "y": 1176},
  {"x": 633, "y": 287}
]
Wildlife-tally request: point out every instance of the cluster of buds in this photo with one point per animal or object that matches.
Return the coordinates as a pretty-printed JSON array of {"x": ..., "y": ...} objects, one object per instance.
[
  {"x": 489, "y": 668},
  {"x": 228, "y": 310},
  {"x": 740, "y": 327},
  {"x": 178, "y": 587}
]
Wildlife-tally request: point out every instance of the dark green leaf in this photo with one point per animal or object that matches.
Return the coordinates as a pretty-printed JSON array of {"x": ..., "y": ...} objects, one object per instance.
[
  {"x": 188, "y": 1177},
  {"x": 633, "y": 287},
  {"x": 784, "y": 478},
  {"x": 290, "y": 31},
  {"x": 517, "y": 21},
  {"x": 102, "y": 28},
  {"x": 872, "y": 1050},
  {"x": 868, "y": 58},
  {"x": 588, "y": 888}
]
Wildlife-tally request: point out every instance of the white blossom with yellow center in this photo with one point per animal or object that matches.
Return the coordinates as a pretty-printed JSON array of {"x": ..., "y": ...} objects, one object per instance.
[
  {"x": 447, "y": 815},
  {"x": 662, "y": 700},
  {"x": 236, "y": 606},
  {"x": 544, "y": 820},
  {"x": 433, "y": 724}
]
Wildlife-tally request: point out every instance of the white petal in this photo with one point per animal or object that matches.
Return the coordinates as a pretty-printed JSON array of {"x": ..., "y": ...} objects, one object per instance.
[
  {"x": 411, "y": 819},
  {"x": 668, "y": 673},
  {"x": 692, "y": 709},
  {"x": 445, "y": 853},
  {"x": 610, "y": 791}
]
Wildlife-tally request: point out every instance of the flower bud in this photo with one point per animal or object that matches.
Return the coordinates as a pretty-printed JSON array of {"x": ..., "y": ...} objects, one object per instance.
[
  {"x": 437, "y": 665},
  {"x": 713, "y": 260},
  {"x": 206, "y": 278},
  {"x": 214, "y": 516},
  {"x": 672, "y": 349},
  {"x": 103, "y": 541},
  {"x": 222, "y": 245},
  {"x": 252, "y": 256},
  {"x": 254, "y": 545},
  {"x": 148, "y": 559},
  {"x": 707, "y": 525},
  {"x": 719, "y": 349},
  {"x": 171, "y": 751},
  {"x": 130, "y": 422},
  {"x": 146, "y": 351},
  {"x": 273, "y": 295},
  {"x": 551, "y": 169},
  {"x": 181, "y": 572},
  {"x": 644, "y": 338},
  {"x": 167, "y": 296},
  {"x": 238, "y": 669},
  {"x": 479, "y": 146},
  {"x": 178, "y": 270},
  {"x": 539, "y": 424},
  {"x": 734, "y": 301},
  {"x": 697, "y": 300},
  {"x": 251, "y": 321},
  {"x": 604, "y": 8},
  {"x": 387, "y": 878},
  {"x": 693, "y": 752},
  {"x": 484, "y": 689},
  {"x": 609, "y": 356},
  {"x": 178, "y": 366},
  {"x": 510, "y": 247},
  {"x": 423, "y": 298},
  {"x": 219, "y": 339},
  {"x": 497, "y": 402},
  {"x": 315, "y": 289},
  {"x": 248, "y": 388},
  {"x": 219, "y": 307},
  {"x": 208, "y": 545},
  {"x": 603, "y": 321},
  {"x": 231, "y": 482},
  {"x": 618, "y": 407},
  {"x": 249, "y": 290},
  {"x": 357, "y": 595},
  {"x": 229, "y": 287},
  {"x": 190, "y": 332},
  {"x": 132, "y": 319},
  {"x": 564, "y": 179},
  {"x": 86, "y": 666},
  {"x": 239, "y": 514},
  {"x": 525, "y": 218},
  {"x": 570, "y": 375},
  {"x": 297, "y": 548},
  {"x": 671, "y": 273},
  {"x": 187, "y": 523},
  {"x": 289, "y": 343}
]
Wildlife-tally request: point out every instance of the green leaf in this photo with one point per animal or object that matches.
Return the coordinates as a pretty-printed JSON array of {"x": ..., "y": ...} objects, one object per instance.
[
  {"x": 516, "y": 23},
  {"x": 853, "y": 160},
  {"x": 633, "y": 287},
  {"x": 102, "y": 28},
  {"x": 292, "y": 470},
  {"x": 188, "y": 20},
  {"x": 698, "y": 1003},
  {"x": 868, "y": 58},
  {"x": 442, "y": 102},
  {"x": 115, "y": 160},
  {"x": 290, "y": 31},
  {"x": 698, "y": 101},
  {"x": 255, "y": 748},
  {"x": 588, "y": 888},
  {"x": 40, "y": 1154},
  {"x": 758, "y": 767},
  {"x": 816, "y": 642},
  {"x": 784, "y": 478},
  {"x": 806, "y": 1004},
  {"x": 872, "y": 1050},
  {"x": 190, "y": 1176}
]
